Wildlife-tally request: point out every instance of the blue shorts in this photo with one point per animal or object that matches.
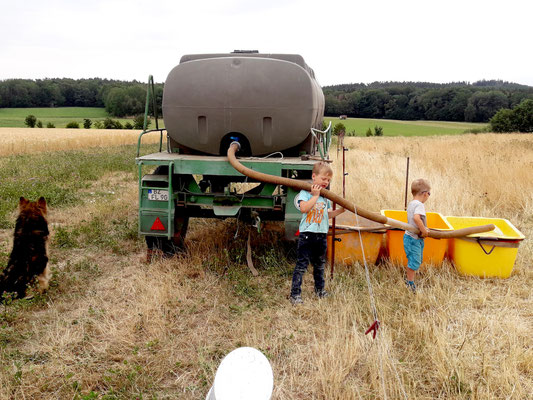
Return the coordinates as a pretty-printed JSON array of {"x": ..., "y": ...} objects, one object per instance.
[{"x": 414, "y": 248}]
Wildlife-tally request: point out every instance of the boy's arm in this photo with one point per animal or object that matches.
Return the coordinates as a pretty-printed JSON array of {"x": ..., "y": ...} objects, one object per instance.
[
  {"x": 334, "y": 213},
  {"x": 306, "y": 206},
  {"x": 420, "y": 225}
]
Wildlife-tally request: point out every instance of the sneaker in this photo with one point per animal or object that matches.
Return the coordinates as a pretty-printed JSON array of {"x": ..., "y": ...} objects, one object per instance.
[
  {"x": 322, "y": 293},
  {"x": 410, "y": 285},
  {"x": 295, "y": 300}
]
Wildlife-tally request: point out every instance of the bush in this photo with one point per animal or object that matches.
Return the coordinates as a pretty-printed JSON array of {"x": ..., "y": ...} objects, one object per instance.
[
  {"x": 338, "y": 128},
  {"x": 30, "y": 121},
  {"x": 369, "y": 132},
  {"x": 39, "y": 124},
  {"x": 378, "y": 131},
  {"x": 73, "y": 125},
  {"x": 99, "y": 125},
  {"x": 87, "y": 123},
  {"x": 138, "y": 122},
  {"x": 111, "y": 124},
  {"x": 128, "y": 125},
  {"x": 50, "y": 125},
  {"x": 523, "y": 116},
  {"x": 519, "y": 119}
]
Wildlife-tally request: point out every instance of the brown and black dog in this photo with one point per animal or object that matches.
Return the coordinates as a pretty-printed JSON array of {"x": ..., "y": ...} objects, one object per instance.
[{"x": 28, "y": 258}]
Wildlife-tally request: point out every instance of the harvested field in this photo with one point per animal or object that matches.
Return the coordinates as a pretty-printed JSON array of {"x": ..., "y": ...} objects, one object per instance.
[
  {"x": 34, "y": 140},
  {"x": 112, "y": 327}
]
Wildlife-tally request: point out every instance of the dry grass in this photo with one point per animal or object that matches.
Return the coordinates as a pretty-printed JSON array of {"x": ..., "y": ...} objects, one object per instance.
[
  {"x": 112, "y": 327},
  {"x": 33, "y": 140}
]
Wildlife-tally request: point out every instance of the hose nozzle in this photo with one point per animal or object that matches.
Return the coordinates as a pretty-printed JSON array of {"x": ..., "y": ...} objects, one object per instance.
[{"x": 236, "y": 143}]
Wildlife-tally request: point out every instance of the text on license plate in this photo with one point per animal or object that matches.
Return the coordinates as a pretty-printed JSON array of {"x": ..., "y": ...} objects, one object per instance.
[{"x": 158, "y": 195}]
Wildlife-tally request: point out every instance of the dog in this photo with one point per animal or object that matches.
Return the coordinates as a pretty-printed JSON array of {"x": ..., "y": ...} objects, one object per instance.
[{"x": 28, "y": 258}]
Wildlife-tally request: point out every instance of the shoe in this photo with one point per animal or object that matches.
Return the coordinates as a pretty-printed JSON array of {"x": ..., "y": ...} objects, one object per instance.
[
  {"x": 410, "y": 285},
  {"x": 295, "y": 300},
  {"x": 322, "y": 293}
]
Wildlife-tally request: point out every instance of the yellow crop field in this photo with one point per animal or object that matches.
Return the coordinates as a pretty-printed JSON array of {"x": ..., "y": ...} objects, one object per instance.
[{"x": 28, "y": 140}]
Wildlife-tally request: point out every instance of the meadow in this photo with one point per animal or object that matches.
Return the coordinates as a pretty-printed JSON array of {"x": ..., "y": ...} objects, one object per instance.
[
  {"x": 112, "y": 327},
  {"x": 60, "y": 116},
  {"x": 359, "y": 126}
]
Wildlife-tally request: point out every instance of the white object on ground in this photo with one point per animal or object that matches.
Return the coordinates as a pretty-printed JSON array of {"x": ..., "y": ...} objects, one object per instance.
[{"x": 244, "y": 374}]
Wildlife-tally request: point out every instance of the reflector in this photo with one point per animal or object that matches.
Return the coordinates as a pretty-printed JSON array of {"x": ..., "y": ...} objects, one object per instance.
[{"x": 157, "y": 225}]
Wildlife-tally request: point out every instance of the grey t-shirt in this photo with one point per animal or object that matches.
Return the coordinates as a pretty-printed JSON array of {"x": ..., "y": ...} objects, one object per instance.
[{"x": 415, "y": 207}]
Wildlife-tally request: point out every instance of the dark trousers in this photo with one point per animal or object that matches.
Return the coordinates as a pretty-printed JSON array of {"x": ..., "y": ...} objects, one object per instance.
[{"x": 311, "y": 249}]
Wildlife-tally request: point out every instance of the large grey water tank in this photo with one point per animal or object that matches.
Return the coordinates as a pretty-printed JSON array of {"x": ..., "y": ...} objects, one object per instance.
[{"x": 273, "y": 100}]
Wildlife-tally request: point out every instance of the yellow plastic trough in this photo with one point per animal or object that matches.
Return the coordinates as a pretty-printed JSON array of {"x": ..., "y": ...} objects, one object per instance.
[
  {"x": 434, "y": 249},
  {"x": 489, "y": 254},
  {"x": 348, "y": 249}
]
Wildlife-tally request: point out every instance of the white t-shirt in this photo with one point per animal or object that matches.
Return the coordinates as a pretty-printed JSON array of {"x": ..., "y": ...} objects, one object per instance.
[{"x": 415, "y": 207}]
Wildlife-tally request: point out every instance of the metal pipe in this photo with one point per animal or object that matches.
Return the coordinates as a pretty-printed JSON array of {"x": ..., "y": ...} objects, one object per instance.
[
  {"x": 406, "y": 183},
  {"x": 304, "y": 185},
  {"x": 333, "y": 226}
]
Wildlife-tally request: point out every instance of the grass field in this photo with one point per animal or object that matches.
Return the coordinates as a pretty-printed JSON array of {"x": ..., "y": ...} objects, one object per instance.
[
  {"x": 404, "y": 128},
  {"x": 111, "y": 327},
  {"x": 60, "y": 117}
]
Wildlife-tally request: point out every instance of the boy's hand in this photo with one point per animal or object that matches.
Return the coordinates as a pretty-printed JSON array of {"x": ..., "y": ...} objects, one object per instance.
[
  {"x": 424, "y": 232},
  {"x": 315, "y": 190}
]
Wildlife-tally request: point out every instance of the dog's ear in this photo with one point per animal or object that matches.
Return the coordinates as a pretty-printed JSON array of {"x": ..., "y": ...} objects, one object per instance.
[
  {"x": 42, "y": 204},
  {"x": 22, "y": 202}
]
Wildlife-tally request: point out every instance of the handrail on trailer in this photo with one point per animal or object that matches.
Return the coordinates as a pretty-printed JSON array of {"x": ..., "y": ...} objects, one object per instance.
[
  {"x": 150, "y": 89},
  {"x": 144, "y": 133}
]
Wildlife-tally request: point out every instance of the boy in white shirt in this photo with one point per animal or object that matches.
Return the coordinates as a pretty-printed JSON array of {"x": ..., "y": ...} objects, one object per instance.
[{"x": 413, "y": 244}]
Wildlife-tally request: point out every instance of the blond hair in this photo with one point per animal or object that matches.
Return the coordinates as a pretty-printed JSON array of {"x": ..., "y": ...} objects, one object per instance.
[
  {"x": 322, "y": 167},
  {"x": 419, "y": 186}
]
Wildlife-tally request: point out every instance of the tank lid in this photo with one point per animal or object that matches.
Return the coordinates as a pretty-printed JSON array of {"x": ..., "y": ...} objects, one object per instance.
[{"x": 244, "y": 51}]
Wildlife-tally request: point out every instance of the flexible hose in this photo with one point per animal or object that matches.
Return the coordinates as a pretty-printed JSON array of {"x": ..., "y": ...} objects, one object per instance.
[{"x": 303, "y": 185}]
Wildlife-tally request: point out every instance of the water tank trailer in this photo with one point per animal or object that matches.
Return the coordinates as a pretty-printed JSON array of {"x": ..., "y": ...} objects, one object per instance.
[{"x": 269, "y": 103}]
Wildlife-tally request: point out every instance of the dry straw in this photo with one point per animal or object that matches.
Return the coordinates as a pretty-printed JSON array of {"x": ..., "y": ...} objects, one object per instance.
[{"x": 114, "y": 326}]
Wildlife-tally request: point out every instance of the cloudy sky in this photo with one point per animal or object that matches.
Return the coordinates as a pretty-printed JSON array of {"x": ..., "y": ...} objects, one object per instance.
[{"x": 343, "y": 41}]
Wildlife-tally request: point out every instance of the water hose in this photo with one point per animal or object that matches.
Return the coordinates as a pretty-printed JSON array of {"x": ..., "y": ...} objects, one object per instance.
[{"x": 303, "y": 185}]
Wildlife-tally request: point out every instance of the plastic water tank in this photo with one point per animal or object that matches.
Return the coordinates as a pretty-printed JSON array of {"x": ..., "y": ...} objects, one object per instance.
[{"x": 270, "y": 101}]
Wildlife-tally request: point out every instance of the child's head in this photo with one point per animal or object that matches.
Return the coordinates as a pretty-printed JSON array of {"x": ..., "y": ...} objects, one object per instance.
[
  {"x": 420, "y": 187},
  {"x": 322, "y": 174}
]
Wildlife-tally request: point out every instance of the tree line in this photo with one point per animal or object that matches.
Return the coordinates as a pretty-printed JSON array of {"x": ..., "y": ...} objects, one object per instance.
[
  {"x": 458, "y": 101},
  {"x": 120, "y": 98}
]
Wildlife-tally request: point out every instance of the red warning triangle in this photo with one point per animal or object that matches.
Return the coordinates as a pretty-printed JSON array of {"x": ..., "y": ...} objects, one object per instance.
[{"x": 158, "y": 225}]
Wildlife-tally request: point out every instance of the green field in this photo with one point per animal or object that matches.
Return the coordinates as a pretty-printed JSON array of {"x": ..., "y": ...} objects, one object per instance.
[
  {"x": 60, "y": 117},
  {"x": 404, "y": 128}
]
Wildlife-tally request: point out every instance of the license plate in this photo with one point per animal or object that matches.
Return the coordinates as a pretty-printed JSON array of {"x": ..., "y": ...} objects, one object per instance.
[{"x": 157, "y": 195}]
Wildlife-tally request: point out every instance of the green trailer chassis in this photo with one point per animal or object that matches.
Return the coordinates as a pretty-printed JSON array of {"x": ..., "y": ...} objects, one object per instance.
[{"x": 189, "y": 186}]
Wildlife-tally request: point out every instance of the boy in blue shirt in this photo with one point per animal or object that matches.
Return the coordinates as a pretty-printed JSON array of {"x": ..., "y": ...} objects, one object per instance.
[
  {"x": 314, "y": 228},
  {"x": 413, "y": 244}
]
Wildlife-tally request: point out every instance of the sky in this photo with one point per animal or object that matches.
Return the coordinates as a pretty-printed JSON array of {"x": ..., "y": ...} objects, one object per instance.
[{"x": 343, "y": 41}]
